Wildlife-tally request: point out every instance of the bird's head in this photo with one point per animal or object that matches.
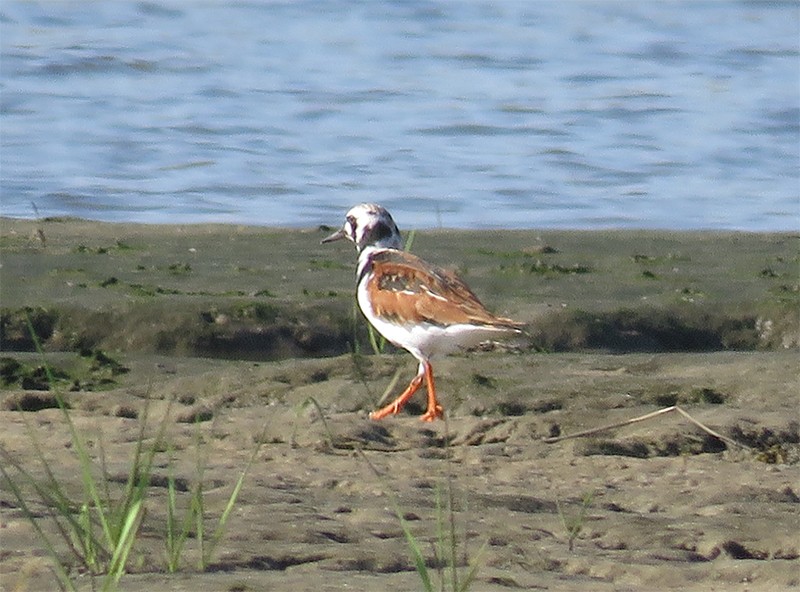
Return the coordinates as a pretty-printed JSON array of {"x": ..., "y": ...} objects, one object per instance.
[{"x": 369, "y": 225}]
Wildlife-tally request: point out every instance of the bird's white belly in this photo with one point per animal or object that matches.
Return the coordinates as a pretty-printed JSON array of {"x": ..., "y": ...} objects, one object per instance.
[{"x": 426, "y": 340}]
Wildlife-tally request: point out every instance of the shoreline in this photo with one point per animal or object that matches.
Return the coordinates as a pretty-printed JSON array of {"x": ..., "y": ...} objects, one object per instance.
[
  {"x": 791, "y": 231},
  {"x": 221, "y": 288}
]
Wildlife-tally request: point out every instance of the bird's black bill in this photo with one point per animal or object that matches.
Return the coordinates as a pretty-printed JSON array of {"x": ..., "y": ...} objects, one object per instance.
[{"x": 338, "y": 235}]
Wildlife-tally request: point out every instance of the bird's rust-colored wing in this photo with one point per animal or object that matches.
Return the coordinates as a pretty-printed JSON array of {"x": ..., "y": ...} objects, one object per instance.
[{"x": 405, "y": 288}]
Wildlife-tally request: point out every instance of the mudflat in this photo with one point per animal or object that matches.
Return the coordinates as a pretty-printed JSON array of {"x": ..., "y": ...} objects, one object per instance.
[{"x": 245, "y": 339}]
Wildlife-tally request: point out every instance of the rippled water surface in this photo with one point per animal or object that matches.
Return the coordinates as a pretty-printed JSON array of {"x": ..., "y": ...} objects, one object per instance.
[{"x": 460, "y": 114}]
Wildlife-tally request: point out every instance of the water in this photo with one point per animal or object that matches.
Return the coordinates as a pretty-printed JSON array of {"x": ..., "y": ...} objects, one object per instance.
[{"x": 458, "y": 114}]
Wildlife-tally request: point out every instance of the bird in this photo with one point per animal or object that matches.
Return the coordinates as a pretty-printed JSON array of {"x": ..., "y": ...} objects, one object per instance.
[{"x": 417, "y": 306}]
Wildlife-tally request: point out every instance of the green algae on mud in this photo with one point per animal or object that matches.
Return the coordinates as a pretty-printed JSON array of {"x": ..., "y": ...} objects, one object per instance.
[{"x": 257, "y": 293}]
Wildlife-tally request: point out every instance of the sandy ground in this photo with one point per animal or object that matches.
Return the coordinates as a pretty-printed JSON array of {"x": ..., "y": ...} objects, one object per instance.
[{"x": 666, "y": 506}]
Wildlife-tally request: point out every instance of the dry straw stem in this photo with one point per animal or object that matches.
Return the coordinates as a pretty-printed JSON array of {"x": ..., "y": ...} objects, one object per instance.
[{"x": 645, "y": 417}]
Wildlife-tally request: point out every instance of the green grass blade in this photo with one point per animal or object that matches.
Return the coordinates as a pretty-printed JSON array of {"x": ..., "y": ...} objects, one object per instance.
[
  {"x": 80, "y": 537},
  {"x": 410, "y": 240},
  {"x": 89, "y": 484},
  {"x": 438, "y": 547},
  {"x": 140, "y": 473},
  {"x": 174, "y": 540},
  {"x": 169, "y": 540},
  {"x": 223, "y": 519},
  {"x": 413, "y": 545},
  {"x": 183, "y": 535},
  {"x": 451, "y": 539},
  {"x": 375, "y": 340},
  {"x": 127, "y": 537},
  {"x": 473, "y": 570},
  {"x": 104, "y": 473},
  {"x": 325, "y": 426},
  {"x": 390, "y": 388},
  {"x": 63, "y": 577},
  {"x": 416, "y": 553},
  {"x": 86, "y": 534},
  {"x": 56, "y": 502},
  {"x": 197, "y": 511}
]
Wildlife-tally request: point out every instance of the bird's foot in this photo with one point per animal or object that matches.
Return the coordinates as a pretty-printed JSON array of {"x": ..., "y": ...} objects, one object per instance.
[
  {"x": 395, "y": 406},
  {"x": 433, "y": 413},
  {"x": 392, "y": 409}
]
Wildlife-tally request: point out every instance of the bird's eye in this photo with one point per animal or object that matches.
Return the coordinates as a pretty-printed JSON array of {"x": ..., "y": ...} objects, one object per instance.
[{"x": 351, "y": 222}]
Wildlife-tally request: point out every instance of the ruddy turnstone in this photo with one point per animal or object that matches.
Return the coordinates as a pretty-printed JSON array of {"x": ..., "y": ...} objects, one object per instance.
[{"x": 415, "y": 305}]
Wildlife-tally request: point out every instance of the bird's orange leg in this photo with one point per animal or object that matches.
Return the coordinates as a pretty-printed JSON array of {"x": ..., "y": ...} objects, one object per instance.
[
  {"x": 395, "y": 406},
  {"x": 435, "y": 411}
]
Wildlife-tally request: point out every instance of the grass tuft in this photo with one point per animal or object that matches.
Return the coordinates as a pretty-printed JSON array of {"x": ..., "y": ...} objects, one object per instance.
[
  {"x": 573, "y": 525},
  {"x": 100, "y": 530}
]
